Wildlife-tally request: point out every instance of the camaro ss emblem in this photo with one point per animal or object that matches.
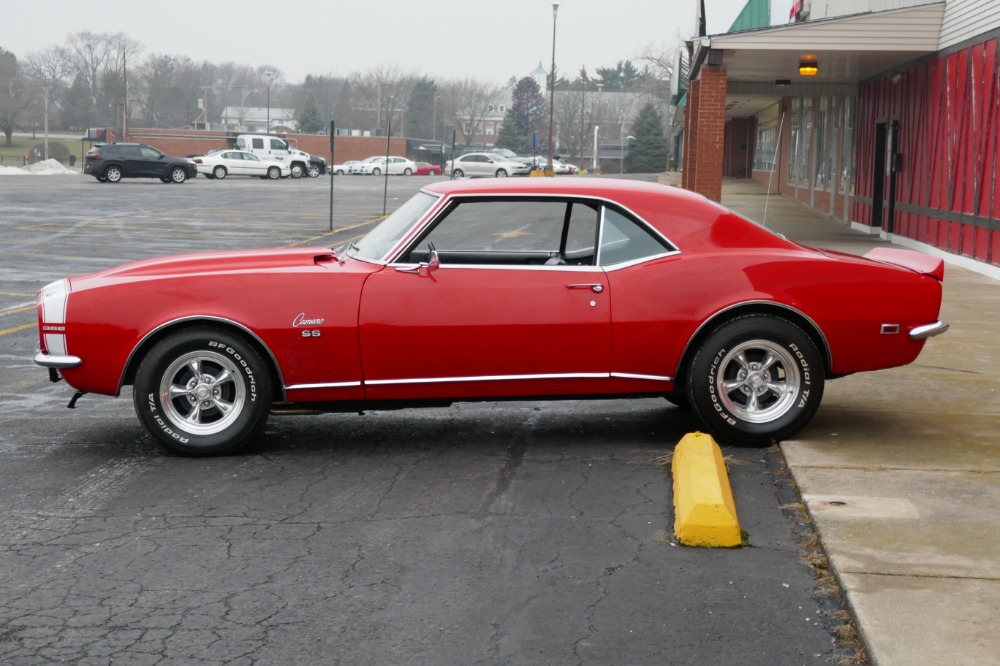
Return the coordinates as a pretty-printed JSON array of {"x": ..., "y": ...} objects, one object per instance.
[{"x": 301, "y": 320}]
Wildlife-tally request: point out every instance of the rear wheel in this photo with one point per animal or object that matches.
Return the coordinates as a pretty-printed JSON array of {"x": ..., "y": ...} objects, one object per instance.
[
  {"x": 113, "y": 174},
  {"x": 178, "y": 175},
  {"x": 219, "y": 172},
  {"x": 203, "y": 391},
  {"x": 756, "y": 379},
  {"x": 274, "y": 173}
]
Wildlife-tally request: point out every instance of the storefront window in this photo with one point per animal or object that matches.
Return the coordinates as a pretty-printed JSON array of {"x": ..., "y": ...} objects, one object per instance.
[
  {"x": 768, "y": 123},
  {"x": 795, "y": 137},
  {"x": 805, "y": 136},
  {"x": 847, "y": 147},
  {"x": 824, "y": 135}
]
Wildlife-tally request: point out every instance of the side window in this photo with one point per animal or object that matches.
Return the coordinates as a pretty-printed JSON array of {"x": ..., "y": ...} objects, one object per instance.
[
  {"x": 512, "y": 232},
  {"x": 278, "y": 144},
  {"x": 258, "y": 143},
  {"x": 623, "y": 239}
]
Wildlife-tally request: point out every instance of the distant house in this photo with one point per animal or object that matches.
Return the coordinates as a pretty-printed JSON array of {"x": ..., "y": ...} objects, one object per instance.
[{"x": 258, "y": 119}]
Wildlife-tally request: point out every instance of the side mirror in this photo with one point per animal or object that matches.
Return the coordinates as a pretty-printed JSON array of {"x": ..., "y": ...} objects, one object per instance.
[{"x": 434, "y": 262}]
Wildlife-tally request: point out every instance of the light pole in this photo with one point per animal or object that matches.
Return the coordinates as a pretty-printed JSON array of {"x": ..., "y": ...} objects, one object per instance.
[
  {"x": 268, "y": 76},
  {"x": 597, "y": 124},
  {"x": 434, "y": 118},
  {"x": 550, "y": 171},
  {"x": 45, "y": 90}
]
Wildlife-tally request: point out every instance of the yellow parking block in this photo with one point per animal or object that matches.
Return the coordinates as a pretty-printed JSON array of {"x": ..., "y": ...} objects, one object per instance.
[{"x": 705, "y": 513}]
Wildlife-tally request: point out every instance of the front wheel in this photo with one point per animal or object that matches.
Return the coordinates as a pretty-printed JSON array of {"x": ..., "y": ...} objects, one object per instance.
[
  {"x": 407, "y": 171},
  {"x": 376, "y": 171},
  {"x": 457, "y": 173},
  {"x": 313, "y": 171},
  {"x": 203, "y": 391},
  {"x": 756, "y": 379},
  {"x": 297, "y": 171},
  {"x": 219, "y": 172},
  {"x": 501, "y": 173},
  {"x": 178, "y": 175},
  {"x": 274, "y": 173}
]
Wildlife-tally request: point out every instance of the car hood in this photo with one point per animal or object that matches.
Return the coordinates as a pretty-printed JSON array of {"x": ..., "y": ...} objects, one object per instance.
[{"x": 213, "y": 262}]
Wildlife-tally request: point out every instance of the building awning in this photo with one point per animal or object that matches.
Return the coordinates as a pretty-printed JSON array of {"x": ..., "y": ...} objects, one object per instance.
[{"x": 847, "y": 50}]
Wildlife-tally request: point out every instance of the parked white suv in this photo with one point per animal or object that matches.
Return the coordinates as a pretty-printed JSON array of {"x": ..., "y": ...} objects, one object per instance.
[{"x": 476, "y": 165}]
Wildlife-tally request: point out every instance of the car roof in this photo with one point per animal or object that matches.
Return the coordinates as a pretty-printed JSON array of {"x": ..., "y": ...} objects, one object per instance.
[{"x": 686, "y": 218}]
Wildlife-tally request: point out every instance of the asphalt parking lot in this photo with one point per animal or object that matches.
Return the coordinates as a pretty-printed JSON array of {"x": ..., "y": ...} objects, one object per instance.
[{"x": 516, "y": 533}]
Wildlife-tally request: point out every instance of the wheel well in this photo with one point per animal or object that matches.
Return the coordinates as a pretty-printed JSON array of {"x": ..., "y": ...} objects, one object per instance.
[
  {"x": 797, "y": 318},
  {"x": 147, "y": 343}
]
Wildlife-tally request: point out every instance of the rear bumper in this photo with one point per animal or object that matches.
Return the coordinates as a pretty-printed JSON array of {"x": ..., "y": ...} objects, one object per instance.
[{"x": 929, "y": 331}]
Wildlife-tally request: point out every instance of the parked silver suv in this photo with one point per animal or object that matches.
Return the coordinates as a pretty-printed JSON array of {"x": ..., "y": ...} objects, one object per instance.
[{"x": 476, "y": 165}]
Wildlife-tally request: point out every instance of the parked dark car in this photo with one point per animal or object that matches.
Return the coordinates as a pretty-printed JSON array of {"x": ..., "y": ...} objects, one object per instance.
[{"x": 110, "y": 162}]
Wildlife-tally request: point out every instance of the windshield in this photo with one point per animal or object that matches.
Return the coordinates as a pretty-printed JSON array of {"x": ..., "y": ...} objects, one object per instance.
[{"x": 380, "y": 240}]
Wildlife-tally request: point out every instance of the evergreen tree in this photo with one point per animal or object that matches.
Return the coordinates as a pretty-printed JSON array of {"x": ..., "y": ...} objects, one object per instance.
[
  {"x": 421, "y": 111},
  {"x": 647, "y": 149},
  {"x": 524, "y": 117},
  {"x": 309, "y": 118}
]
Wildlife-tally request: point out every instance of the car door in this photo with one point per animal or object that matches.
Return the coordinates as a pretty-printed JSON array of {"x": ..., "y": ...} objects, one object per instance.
[
  {"x": 151, "y": 162},
  {"x": 233, "y": 161},
  {"x": 485, "y": 305},
  {"x": 253, "y": 165}
]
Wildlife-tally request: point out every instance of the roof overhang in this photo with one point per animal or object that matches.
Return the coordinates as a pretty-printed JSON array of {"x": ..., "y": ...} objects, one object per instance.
[{"x": 847, "y": 50}]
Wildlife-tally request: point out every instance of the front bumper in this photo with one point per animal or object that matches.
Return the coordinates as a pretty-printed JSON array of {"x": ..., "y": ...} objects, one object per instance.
[{"x": 47, "y": 360}]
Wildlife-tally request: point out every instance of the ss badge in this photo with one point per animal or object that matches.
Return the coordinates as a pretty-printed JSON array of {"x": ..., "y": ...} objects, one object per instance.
[{"x": 310, "y": 334}]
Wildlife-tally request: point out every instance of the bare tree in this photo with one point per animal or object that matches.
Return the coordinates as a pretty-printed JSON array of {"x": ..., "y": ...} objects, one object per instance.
[
  {"x": 472, "y": 100},
  {"x": 383, "y": 92}
]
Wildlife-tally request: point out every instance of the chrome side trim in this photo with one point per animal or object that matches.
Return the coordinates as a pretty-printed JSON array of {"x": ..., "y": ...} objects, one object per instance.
[
  {"x": 929, "y": 331},
  {"x": 492, "y": 378},
  {"x": 322, "y": 386},
  {"x": 629, "y": 375},
  {"x": 49, "y": 361}
]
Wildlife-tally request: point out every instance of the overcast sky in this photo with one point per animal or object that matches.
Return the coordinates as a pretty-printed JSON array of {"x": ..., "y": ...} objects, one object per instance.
[{"x": 442, "y": 39}]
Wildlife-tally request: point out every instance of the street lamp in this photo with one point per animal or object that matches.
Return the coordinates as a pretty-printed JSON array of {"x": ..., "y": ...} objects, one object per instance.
[
  {"x": 268, "y": 76},
  {"x": 552, "y": 88}
]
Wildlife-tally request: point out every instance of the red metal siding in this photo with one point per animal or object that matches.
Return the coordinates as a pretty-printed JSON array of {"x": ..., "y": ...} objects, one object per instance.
[{"x": 948, "y": 191}]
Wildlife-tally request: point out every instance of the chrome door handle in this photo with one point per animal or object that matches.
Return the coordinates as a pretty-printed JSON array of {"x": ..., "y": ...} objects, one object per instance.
[{"x": 596, "y": 288}]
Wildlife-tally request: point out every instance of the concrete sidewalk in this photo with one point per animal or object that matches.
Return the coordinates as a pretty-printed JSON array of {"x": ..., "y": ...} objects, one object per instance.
[{"x": 901, "y": 469}]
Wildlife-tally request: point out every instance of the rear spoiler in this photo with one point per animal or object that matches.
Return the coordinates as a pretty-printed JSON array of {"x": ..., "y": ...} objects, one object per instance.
[{"x": 917, "y": 262}]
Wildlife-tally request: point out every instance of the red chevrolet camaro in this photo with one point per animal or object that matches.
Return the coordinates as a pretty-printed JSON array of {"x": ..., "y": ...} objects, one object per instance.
[{"x": 491, "y": 290}]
